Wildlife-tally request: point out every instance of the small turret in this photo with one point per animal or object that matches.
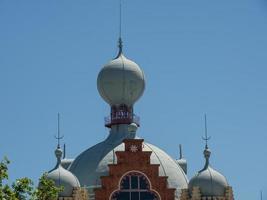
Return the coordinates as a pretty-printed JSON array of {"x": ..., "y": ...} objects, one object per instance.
[
  {"x": 208, "y": 181},
  {"x": 182, "y": 161},
  {"x": 121, "y": 82},
  {"x": 61, "y": 176}
]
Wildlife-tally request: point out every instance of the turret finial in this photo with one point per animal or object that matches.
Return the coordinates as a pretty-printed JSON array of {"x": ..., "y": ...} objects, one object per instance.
[
  {"x": 206, "y": 138},
  {"x": 206, "y": 152},
  {"x": 58, "y": 137},
  {"x": 120, "y": 45},
  {"x": 120, "y": 19}
]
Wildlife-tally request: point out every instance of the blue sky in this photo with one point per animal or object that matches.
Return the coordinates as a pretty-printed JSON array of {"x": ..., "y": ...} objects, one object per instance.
[{"x": 198, "y": 56}]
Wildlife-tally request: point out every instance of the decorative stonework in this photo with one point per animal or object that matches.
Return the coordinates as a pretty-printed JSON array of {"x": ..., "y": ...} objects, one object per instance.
[
  {"x": 77, "y": 194},
  {"x": 133, "y": 148},
  {"x": 196, "y": 195},
  {"x": 229, "y": 195},
  {"x": 134, "y": 163}
]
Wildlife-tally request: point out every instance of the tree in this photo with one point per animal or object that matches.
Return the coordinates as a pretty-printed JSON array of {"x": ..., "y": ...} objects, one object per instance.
[
  {"x": 47, "y": 190},
  {"x": 23, "y": 189},
  {"x": 5, "y": 191}
]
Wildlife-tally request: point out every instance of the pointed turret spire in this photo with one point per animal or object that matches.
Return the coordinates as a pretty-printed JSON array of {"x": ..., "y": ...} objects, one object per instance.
[
  {"x": 206, "y": 138},
  {"x": 120, "y": 43},
  {"x": 207, "y": 151},
  {"x": 58, "y": 137},
  {"x": 58, "y": 151}
]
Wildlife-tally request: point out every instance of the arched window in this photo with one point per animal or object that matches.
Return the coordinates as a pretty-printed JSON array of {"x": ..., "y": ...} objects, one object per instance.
[{"x": 134, "y": 186}]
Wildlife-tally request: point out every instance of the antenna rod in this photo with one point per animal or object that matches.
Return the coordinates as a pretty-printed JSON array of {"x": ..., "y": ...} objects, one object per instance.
[
  {"x": 206, "y": 130},
  {"x": 261, "y": 194},
  {"x": 58, "y": 130},
  {"x": 58, "y": 137},
  {"x": 120, "y": 20},
  {"x": 206, "y": 138}
]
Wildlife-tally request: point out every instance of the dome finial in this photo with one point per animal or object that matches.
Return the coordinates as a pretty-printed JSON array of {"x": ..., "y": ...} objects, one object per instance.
[
  {"x": 58, "y": 137},
  {"x": 58, "y": 151},
  {"x": 206, "y": 138},
  {"x": 207, "y": 152},
  {"x": 120, "y": 45}
]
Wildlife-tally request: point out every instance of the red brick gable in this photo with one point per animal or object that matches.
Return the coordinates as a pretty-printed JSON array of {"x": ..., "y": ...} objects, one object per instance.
[{"x": 134, "y": 159}]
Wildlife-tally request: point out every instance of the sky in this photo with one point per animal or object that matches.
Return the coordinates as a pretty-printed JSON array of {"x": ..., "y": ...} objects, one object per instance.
[{"x": 199, "y": 56}]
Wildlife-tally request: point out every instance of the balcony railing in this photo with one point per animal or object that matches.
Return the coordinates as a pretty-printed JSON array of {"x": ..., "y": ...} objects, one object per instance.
[{"x": 122, "y": 119}]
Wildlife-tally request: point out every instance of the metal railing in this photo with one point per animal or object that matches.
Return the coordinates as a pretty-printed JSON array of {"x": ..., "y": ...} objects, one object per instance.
[{"x": 124, "y": 118}]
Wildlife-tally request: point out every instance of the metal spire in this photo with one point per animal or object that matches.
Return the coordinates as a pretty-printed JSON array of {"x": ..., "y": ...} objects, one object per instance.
[
  {"x": 58, "y": 137},
  {"x": 120, "y": 19},
  {"x": 206, "y": 138},
  {"x": 181, "y": 152},
  {"x": 120, "y": 38},
  {"x": 206, "y": 152},
  {"x": 64, "y": 151},
  {"x": 261, "y": 194}
]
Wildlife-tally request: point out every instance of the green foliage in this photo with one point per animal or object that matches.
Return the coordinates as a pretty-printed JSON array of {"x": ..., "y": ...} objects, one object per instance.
[
  {"x": 47, "y": 190},
  {"x": 4, "y": 170},
  {"x": 23, "y": 188}
]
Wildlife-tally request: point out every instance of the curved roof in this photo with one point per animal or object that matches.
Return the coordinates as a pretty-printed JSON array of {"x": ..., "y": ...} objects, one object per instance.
[
  {"x": 121, "y": 81},
  {"x": 90, "y": 165},
  {"x": 209, "y": 181},
  {"x": 63, "y": 177},
  {"x": 66, "y": 162}
]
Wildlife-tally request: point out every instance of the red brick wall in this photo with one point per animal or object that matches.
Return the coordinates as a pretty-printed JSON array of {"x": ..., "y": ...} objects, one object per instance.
[{"x": 134, "y": 159}]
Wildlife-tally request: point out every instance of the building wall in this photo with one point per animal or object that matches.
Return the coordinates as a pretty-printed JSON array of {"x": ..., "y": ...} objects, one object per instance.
[{"x": 134, "y": 159}]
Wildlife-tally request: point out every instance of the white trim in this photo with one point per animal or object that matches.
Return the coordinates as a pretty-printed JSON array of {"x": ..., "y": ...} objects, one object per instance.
[{"x": 134, "y": 171}]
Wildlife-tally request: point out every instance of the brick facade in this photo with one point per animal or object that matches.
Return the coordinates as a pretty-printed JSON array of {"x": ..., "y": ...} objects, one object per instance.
[{"x": 134, "y": 159}]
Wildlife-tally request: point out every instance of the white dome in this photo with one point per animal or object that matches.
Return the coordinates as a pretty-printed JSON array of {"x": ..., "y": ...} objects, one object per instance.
[
  {"x": 90, "y": 165},
  {"x": 209, "y": 181},
  {"x": 121, "y": 81},
  {"x": 63, "y": 177}
]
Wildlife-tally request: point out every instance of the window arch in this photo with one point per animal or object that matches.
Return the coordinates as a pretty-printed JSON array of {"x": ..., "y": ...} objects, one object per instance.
[{"x": 134, "y": 186}]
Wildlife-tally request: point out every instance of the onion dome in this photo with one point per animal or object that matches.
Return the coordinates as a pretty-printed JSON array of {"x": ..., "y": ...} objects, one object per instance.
[
  {"x": 210, "y": 182},
  {"x": 63, "y": 177},
  {"x": 121, "y": 81}
]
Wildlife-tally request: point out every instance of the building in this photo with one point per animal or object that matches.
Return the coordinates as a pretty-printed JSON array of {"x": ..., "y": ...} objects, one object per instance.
[{"x": 124, "y": 167}]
